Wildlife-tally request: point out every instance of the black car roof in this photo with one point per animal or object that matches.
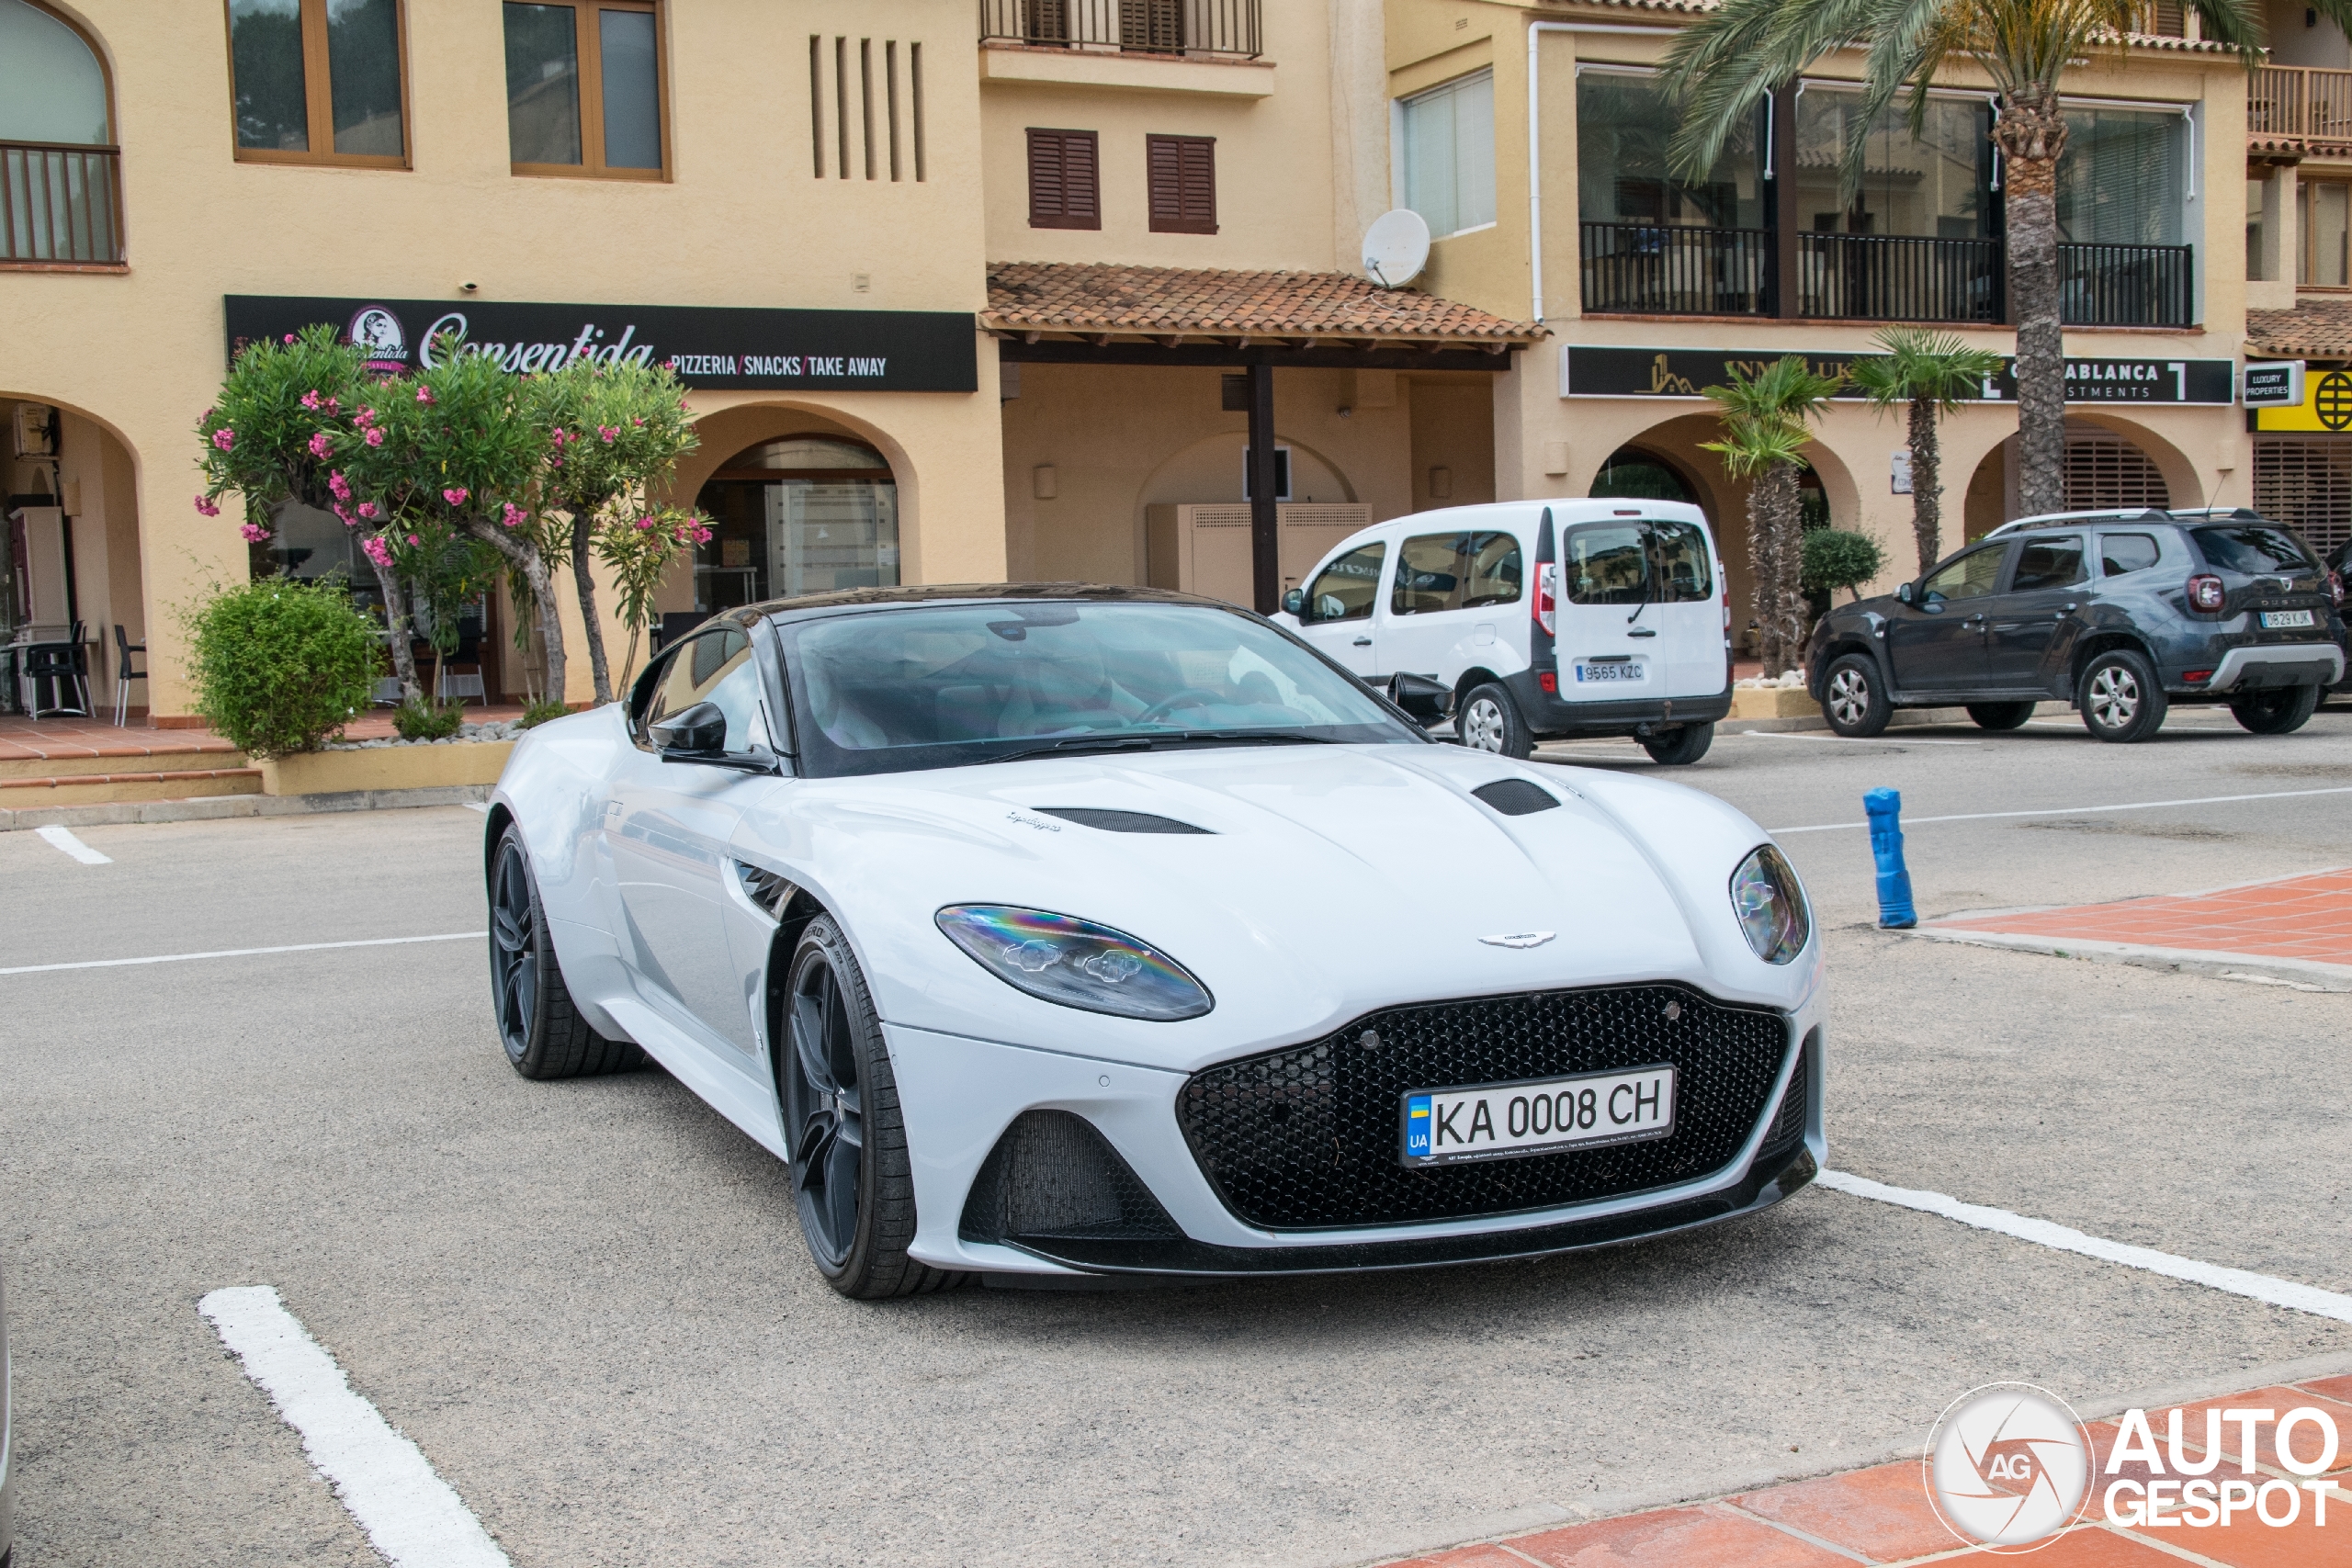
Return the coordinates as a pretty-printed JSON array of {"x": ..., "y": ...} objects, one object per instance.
[{"x": 808, "y": 605}]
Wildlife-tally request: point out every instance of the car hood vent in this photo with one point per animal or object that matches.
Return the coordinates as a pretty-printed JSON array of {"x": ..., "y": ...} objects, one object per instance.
[
  {"x": 1516, "y": 797},
  {"x": 1119, "y": 821}
]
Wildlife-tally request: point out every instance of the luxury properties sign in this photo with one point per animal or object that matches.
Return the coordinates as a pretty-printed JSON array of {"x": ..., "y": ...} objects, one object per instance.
[
  {"x": 720, "y": 348},
  {"x": 1596, "y": 371}
]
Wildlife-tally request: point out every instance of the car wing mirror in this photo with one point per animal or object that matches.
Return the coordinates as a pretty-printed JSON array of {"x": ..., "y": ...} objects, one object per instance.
[
  {"x": 694, "y": 736},
  {"x": 1295, "y": 602},
  {"x": 1902, "y": 594},
  {"x": 1424, "y": 699}
]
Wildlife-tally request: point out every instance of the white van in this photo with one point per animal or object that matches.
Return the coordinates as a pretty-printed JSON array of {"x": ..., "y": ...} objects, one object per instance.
[{"x": 1620, "y": 628}]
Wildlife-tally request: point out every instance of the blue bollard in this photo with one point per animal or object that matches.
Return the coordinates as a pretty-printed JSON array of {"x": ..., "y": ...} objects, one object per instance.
[{"x": 1894, "y": 910}]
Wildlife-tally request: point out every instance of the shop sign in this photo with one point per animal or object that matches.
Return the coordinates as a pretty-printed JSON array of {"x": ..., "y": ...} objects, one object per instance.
[
  {"x": 2278, "y": 384},
  {"x": 709, "y": 346},
  {"x": 1609, "y": 371},
  {"x": 2326, "y": 405}
]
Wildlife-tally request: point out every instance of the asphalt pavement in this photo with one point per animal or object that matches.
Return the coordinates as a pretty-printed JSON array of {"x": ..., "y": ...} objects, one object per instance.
[{"x": 588, "y": 1305}]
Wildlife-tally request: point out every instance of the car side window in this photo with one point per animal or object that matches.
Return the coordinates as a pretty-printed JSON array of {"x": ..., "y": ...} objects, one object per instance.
[
  {"x": 715, "y": 667},
  {"x": 1967, "y": 577},
  {"x": 1494, "y": 570},
  {"x": 1347, "y": 589},
  {"x": 2053, "y": 562},
  {"x": 1429, "y": 575},
  {"x": 2121, "y": 553}
]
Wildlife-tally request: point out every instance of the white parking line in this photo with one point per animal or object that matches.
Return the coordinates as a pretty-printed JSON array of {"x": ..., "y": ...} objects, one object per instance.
[
  {"x": 2042, "y": 1233},
  {"x": 480, "y": 806},
  {"x": 242, "y": 953},
  {"x": 410, "y": 1513},
  {"x": 1846, "y": 739},
  {"x": 60, "y": 838},
  {"x": 2074, "y": 810}
]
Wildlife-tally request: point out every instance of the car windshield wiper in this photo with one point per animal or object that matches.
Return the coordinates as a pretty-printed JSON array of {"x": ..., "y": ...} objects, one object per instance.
[{"x": 1149, "y": 740}]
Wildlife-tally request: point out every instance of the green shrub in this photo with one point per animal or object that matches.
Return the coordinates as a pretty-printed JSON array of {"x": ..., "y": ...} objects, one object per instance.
[
  {"x": 1835, "y": 558},
  {"x": 540, "y": 712},
  {"x": 280, "y": 665},
  {"x": 428, "y": 720}
]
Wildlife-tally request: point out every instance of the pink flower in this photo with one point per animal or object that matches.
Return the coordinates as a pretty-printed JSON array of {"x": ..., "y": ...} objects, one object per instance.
[
  {"x": 425, "y": 395},
  {"x": 455, "y": 497},
  {"x": 310, "y": 399},
  {"x": 375, "y": 438},
  {"x": 638, "y": 421},
  {"x": 339, "y": 485},
  {"x": 254, "y": 531},
  {"x": 644, "y": 522},
  {"x": 319, "y": 446},
  {"x": 514, "y": 517},
  {"x": 555, "y": 462},
  {"x": 349, "y": 520},
  {"x": 415, "y": 540},
  {"x": 611, "y": 433},
  {"x": 204, "y": 503},
  {"x": 557, "y": 436},
  {"x": 364, "y": 418},
  {"x": 289, "y": 337},
  {"x": 335, "y": 405},
  {"x": 224, "y": 438},
  {"x": 702, "y": 536},
  {"x": 377, "y": 551},
  {"x": 367, "y": 508}
]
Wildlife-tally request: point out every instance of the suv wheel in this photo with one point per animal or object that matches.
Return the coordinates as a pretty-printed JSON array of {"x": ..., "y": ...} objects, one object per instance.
[
  {"x": 2000, "y": 715},
  {"x": 2120, "y": 697},
  {"x": 2279, "y": 710},
  {"x": 1852, "y": 699},
  {"x": 1489, "y": 721}
]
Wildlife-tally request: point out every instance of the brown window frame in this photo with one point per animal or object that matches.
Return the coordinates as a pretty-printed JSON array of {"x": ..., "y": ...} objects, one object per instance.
[
  {"x": 1065, "y": 218},
  {"x": 318, "y": 96},
  {"x": 588, "y": 38},
  {"x": 2307, "y": 239},
  {"x": 1178, "y": 148}
]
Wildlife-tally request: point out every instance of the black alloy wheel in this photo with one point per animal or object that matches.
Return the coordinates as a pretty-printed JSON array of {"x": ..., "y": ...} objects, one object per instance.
[
  {"x": 1854, "y": 701},
  {"x": 2276, "y": 710},
  {"x": 1683, "y": 744},
  {"x": 2120, "y": 697},
  {"x": 538, "y": 1023},
  {"x": 850, "y": 1178},
  {"x": 2000, "y": 715}
]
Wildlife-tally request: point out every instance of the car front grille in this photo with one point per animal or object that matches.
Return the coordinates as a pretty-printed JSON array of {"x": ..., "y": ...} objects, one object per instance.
[{"x": 1307, "y": 1138}]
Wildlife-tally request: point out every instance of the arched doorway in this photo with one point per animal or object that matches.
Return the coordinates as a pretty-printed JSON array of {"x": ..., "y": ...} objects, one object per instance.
[
  {"x": 2106, "y": 472},
  {"x": 1636, "y": 474},
  {"x": 54, "y": 107},
  {"x": 798, "y": 515}
]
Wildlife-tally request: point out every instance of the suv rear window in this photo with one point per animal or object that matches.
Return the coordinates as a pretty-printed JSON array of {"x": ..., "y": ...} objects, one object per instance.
[{"x": 2251, "y": 548}]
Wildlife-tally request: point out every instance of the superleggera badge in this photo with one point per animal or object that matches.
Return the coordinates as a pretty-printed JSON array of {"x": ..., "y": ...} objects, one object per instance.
[
  {"x": 1520, "y": 939},
  {"x": 1029, "y": 821}
]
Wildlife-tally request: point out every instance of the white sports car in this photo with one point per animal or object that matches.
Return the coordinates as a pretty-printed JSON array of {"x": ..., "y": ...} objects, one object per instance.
[{"x": 1073, "y": 931}]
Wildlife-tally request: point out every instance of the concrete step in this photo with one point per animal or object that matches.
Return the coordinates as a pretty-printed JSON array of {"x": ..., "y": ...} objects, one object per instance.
[
  {"x": 59, "y": 763},
  {"x": 89, "y": 788}
]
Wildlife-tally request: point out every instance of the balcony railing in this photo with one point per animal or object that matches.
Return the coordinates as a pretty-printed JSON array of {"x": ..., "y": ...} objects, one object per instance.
[
  {"x": 1898, "y": 277},
  {"x": 1224, "y": 29},
  {"x": 2125, "y": 286},
  {"x": 2299, "y": 101},
  {"x": 1669, "y": 270},
  {"x": 59, "y": 203}
]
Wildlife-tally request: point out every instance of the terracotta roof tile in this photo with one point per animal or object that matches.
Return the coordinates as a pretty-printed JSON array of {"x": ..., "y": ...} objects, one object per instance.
[
  {"x": 2314, "y": 329},
  {"x": 1072, "y": 296}
]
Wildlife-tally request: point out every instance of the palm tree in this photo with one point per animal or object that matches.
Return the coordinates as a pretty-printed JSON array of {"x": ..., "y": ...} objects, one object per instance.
[
  {"x": 1935, "y": 373},
  {"x": 1721, "y": 68},
  {"x": 1765, "y": 433}
]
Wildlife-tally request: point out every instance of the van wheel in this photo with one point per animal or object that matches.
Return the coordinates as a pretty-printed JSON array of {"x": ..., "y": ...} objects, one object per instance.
[
  {"x": 2121, "y": 699},
  {"x": 1854, "y": 701},
  {"x": 1490, "y": 722},
  {"x": 2000, "y": 715},
  {"x": 2280, "y": 710},
  {"x": 1679, "y": 746}
]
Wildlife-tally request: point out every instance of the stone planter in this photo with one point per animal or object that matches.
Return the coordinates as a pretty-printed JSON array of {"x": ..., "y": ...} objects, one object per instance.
[
  {"x": 1773, "y": 702},
  {"x": 386, "y": 767}
]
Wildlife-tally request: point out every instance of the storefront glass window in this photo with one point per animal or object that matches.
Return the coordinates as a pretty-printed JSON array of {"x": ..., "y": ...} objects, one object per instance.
[
  {"x": 1936, "y": 186},
  {"x": 806, "y": 515},
  {"x": 2122, "y": 179},
  {"x": 1622, "y": 126}
]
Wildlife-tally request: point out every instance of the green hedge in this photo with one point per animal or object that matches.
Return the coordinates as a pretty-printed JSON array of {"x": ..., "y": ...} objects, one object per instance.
[{"x": 280, "y": 665}]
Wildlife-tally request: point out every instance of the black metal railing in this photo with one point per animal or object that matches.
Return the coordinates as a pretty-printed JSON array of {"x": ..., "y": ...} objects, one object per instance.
[
  {"x": 59, "y": 202},
  {"x": 1899, "y": 277},
  {"x": 1227, "y": 29},
  {"x": 2125, "y": 286},
  {"x": 1669, "y": 270}
]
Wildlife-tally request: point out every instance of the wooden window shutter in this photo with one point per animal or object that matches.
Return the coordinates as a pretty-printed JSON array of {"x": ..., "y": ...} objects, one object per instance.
[
  {"x": 1181, "y": 174},
  {"x": 1156, "y": 26},
  {"x": 1065, "y": 189}
]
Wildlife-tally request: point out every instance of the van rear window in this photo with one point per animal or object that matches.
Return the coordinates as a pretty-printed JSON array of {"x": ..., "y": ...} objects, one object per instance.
[
  {"x": 2251, "y": 548},
  {"x": 1657, "y": 560}
]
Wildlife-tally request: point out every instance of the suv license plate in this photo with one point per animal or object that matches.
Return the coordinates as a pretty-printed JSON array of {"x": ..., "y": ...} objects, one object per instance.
[
  {"x": 1442, "y": 1126},
  {"x": 2285, "y": 620},
  {"x": 1634, "y": 670}
]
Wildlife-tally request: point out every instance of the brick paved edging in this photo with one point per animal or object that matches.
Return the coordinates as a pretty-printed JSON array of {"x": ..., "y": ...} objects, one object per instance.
[{"x": 205, "y": 809}]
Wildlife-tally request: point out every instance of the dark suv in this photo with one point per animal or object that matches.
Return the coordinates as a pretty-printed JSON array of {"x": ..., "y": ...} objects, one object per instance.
[{"x": 2119, "y": 612}]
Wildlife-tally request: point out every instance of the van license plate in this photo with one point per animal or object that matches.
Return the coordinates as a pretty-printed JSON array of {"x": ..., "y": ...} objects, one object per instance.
[
  {"x": 2285, "y": 620},
  {"x": 1443, "y": 1125},
  {"x": 1635, "y": 670}
]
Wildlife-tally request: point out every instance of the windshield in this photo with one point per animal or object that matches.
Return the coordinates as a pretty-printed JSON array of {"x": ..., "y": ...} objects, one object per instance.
[
  {"x": 889, "y": 690},
  {"x": 2251, "y": 548}
]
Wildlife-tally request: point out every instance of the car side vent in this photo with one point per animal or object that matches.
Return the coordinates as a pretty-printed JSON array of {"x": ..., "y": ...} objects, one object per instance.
[
  {"x": 768, "y": 890},
  {"x": 1119, "y": 821},
  {"x": 1053, "y": 1174},
  {"x": 1516, "y": 797},
  {"x": 1788, "y": 1125}
]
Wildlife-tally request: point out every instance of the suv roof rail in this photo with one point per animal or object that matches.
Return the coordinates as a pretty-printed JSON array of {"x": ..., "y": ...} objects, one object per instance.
[{"x": 2112, "y": 514}]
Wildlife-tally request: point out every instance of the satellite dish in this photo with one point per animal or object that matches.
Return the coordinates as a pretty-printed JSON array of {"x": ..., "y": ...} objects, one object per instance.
[{"x": 1396, "y": 248}]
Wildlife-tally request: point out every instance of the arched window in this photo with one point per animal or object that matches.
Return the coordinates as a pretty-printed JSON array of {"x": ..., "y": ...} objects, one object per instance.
[
  {"x": 63, "y": 202},
  {"x": 2106, "y": 472},
  {"x": 799, "y": 515},
  {"x": 1636, "y": 474}
]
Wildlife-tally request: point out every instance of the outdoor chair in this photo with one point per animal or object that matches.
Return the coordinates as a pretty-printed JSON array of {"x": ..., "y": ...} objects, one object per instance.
[
  {"x": 461, "y": 687},
  {"x": 63, "y": 668},
  {"x": 123, "y": 672}
]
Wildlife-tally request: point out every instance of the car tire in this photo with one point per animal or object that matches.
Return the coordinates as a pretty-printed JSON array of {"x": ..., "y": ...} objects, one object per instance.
[
  {"x": 1853, "y": 699},
  {"x": 1490, "y": 721},
  {"x": 2121, "y": 698},
  {"x": 1680, "y": 746},
  {"x": 852, "y": 1179},
  {"x": 2000, "y": 715},
  {"x": 538, "y": 1023},
  {"x": 2277, "y": 710}
]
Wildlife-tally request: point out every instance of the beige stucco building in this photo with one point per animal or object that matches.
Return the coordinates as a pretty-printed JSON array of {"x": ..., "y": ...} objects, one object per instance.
[{"x": 1113, "y": 231}]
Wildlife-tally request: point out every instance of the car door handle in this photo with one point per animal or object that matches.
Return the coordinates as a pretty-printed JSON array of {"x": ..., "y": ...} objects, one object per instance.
[
  {"x": 1361, "y": 642},
  {"x": 1643, "y": 631}
]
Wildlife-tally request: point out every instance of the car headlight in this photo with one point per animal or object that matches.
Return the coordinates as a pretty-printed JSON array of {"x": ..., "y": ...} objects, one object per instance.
[
  {"x": 1060, "y": 958},
  {"x": 1770, "y": 902}
]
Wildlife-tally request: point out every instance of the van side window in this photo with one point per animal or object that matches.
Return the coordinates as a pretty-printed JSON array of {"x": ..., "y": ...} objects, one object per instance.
[
  {"x": 2119, "y": 553},
  {"x": 1494, "y": 570},
  {"x": 1347, "y": 589},
  {"x": 1429, "y": 575}
]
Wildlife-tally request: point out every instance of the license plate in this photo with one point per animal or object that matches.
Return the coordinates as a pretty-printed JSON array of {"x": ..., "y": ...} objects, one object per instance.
[
  {"x": 2285, "y": 620},
  {"x": 1633, "y": 671},
  {"x": 1442, "y": 1126}
]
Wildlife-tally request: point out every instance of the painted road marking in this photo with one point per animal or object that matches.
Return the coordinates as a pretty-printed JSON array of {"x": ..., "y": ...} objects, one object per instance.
[
  {"x": 1846, "y": 739},
  {"x": 2042, "y": 1233},
  {"x": 243, "y": 953},
  {"x": 480, "y": 806},
  {"x": 60, "y": 838},
  {"x": 2074, "y": 810},
  {"x": 411, "y": 1515}
]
